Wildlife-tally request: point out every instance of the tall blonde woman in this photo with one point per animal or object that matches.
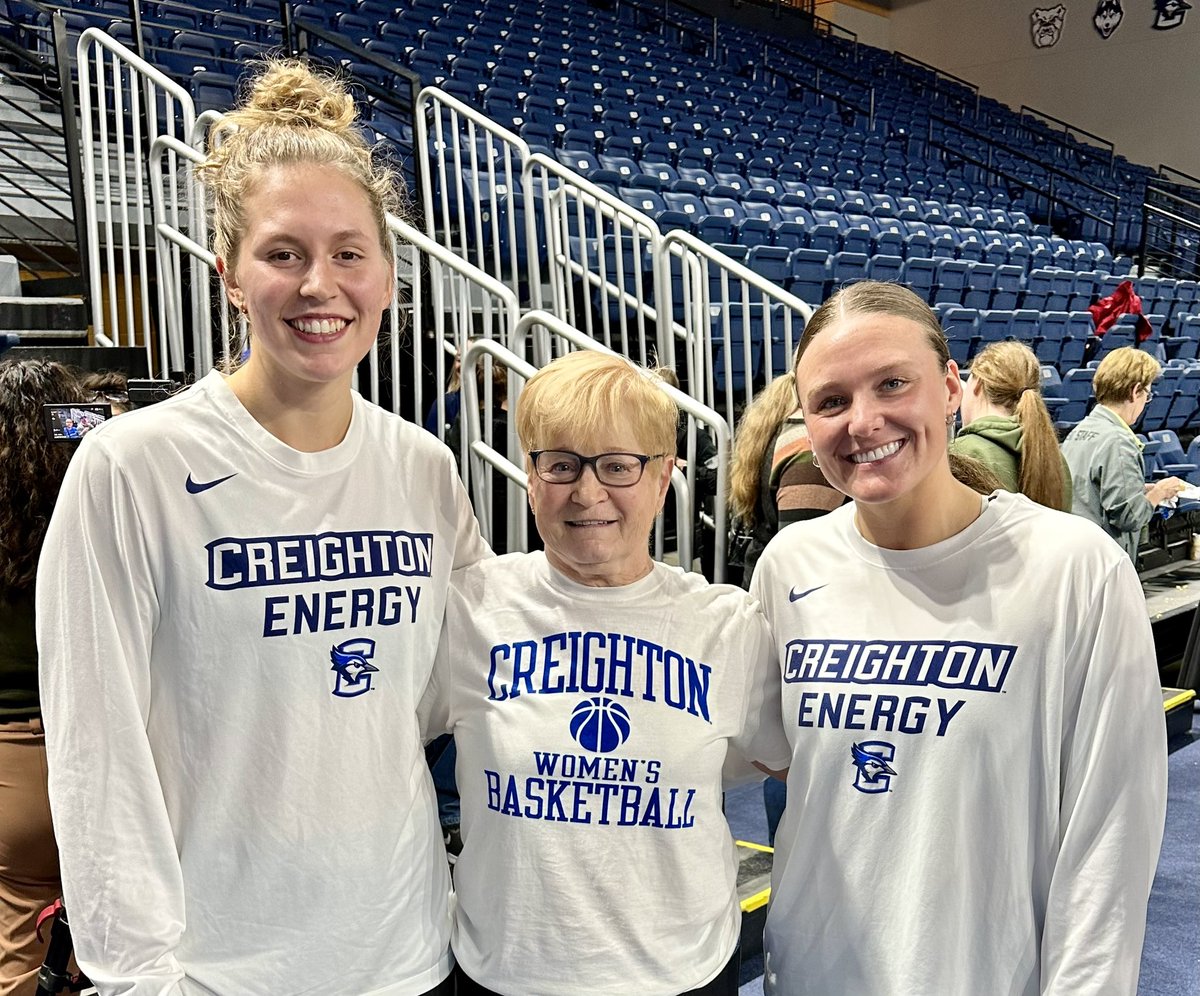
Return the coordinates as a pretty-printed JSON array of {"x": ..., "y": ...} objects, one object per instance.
[
  {"x": 1005, "y": 425},
  {"x": 969, "y": 687},
  {"x": 239, "y": 604}
]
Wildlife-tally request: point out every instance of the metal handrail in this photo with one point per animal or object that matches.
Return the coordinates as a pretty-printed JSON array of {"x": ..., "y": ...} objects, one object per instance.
[
  {"x": 1068, "y": 128},
  {"x": 153, "y": 81}
]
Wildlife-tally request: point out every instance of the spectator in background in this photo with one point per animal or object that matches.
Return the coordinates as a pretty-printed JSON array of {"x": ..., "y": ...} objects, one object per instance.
[
  {"x": 31, "y": 472},
  {"x": 451, "y": 399},
  {"x": 773, "y": 479},
  {"x": 107, "y": 387},
  {"x": 971, "y": 695},
  {"x": 1105, "y": 457},
  {"x": 1005, "y": 425},
  {"x": 239, "y": 605}
]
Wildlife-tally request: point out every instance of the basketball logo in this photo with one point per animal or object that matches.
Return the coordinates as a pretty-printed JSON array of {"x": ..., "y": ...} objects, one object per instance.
[{"x": 599, "y": 724}]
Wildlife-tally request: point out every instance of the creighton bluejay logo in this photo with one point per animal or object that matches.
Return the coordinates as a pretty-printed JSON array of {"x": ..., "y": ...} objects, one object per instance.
[
  {"x": 1169, "y": 14},
  {"x": 352, "y": 664},
  {"x": 871, "y": 758}
]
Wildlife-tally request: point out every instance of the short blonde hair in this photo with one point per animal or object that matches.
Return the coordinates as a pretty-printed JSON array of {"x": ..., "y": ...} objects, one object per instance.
[
  {"x": 583, "y": 393},
  {"x": 1120, "y": 372}
]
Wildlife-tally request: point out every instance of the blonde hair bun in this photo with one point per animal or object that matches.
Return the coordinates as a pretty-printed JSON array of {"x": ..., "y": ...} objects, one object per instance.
[{"x": 290, "y": 94}]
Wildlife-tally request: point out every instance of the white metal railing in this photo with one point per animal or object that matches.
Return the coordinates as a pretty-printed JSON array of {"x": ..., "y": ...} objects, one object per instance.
[
  {"x": 599, "y": 264},
  {"x": 475, "y": 195},
  {"x": 602, "y": 259},
  {"x": 124, "y": 104},
  {"x": 743, "y": 327}
]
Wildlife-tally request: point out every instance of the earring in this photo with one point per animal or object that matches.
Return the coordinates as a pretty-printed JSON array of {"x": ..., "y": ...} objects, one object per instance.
[
  {"x": 816, "y": 466},
  {"x": 950, "y": 419}
]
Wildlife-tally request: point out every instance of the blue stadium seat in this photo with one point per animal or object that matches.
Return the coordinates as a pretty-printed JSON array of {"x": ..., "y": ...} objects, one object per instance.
[
  {"x": 981, "y": 281},
  {"x": 1077, "y": 389},
  {"x": 847, "y": 267},
  {"x": 1007, "y": 286},
  {"x": 920, "y": 274},
  {"x": 809, "y": 275},
  {"x": 771, "y": 262},
  {"x": 950, "y": 280},
  {"x": 885, "y": 267},
  {"x": 994, "y": 325}
]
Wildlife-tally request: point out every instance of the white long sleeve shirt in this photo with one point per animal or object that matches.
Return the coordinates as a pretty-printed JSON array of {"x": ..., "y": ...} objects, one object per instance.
[
  {"x": 234, "y": 636},
  {"x": 978, "y": 783}
]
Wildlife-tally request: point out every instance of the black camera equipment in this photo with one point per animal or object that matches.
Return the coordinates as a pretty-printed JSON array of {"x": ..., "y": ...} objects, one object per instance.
[{"x": 54, "y": 977}]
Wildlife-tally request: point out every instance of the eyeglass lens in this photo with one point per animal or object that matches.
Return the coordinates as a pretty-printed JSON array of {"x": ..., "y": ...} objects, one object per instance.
[{"x": 565, "y": 467}]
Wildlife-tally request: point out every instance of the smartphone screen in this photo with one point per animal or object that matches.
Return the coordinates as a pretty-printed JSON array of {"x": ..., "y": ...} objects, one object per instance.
[{"x": 73, "y": 421}]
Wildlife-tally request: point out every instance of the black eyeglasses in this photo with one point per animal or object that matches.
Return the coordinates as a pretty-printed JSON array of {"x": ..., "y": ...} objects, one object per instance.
[{"x": 614, "y": 470}]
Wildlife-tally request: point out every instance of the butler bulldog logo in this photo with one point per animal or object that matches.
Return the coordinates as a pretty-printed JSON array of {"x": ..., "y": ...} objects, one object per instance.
[{"x": 1047, "y": 24}]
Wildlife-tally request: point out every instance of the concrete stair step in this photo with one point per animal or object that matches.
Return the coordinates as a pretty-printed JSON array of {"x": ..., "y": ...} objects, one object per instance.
[{"x": 41, "y": 318}]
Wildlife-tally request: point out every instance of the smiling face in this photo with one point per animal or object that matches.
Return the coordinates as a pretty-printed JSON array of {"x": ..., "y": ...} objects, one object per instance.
[
  {"x": 311, "y": 276},
  {"x": 875, "y": 398},
  {"x": 598, "y": 535}
]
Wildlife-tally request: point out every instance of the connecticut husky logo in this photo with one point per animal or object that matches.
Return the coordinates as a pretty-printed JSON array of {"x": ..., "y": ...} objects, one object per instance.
[
  {"x": 1169, "y": 13},
  {"x": 351, "y": 662},
  {"x": 871, "y": 758},
  {"x": 1107, "y": 17},
  {"x": 1047, "y": 25}
]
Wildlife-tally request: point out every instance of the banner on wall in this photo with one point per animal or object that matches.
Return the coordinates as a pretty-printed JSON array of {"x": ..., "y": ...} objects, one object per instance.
[
  {"x": 1107, "y": 17},
  {"x": 1169, "y": 14},
  {"x": 1046, "y": 24}
]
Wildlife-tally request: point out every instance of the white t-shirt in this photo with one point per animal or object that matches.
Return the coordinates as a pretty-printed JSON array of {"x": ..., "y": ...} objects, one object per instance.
[
  {"x": 978, "y": 783},
  {"x": 592, "y": 725},
  {"x": 234, "y": 636}
]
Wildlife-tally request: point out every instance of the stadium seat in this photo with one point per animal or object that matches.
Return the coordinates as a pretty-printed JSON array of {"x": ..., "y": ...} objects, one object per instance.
[{"x": 809, "y": 275}]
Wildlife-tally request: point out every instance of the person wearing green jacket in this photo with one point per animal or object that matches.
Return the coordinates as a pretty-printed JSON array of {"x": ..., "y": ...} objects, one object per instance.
[{"x": 1007, "y": 428}]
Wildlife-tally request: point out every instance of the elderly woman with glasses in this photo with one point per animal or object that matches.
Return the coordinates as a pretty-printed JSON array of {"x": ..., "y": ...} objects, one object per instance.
[
  {"x": 1105, "y": 457},
  {"x": 596, "y": 697}
]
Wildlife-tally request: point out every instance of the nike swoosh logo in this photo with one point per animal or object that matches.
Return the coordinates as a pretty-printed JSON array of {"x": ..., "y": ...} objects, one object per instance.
[
  {"x": 196, "y": 487},
  {"x": 795, "y": 596}
]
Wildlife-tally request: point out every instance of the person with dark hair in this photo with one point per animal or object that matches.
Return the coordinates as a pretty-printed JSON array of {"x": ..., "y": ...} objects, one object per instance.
[
  {"x": 971, "y": 694},
  {"x": 239, "y": 606},
  {"x": 108, "y": 387},
  {"x": 32, "y": 466}
]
